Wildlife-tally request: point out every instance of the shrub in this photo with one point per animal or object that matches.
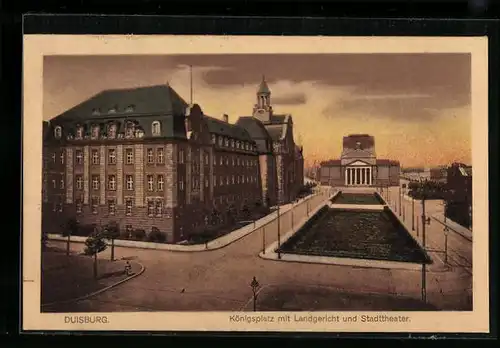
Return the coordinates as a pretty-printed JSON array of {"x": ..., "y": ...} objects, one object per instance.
[
  {"x": 138, "y": 234},
  {"x": 156, "y": 236}
]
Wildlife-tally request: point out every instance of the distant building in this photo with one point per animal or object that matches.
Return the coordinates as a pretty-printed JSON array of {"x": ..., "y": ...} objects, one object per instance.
[
  {"x": 359, "y": 166},
  {"x": 459, "y": 200},
  {"x": 281, "y": 160}
]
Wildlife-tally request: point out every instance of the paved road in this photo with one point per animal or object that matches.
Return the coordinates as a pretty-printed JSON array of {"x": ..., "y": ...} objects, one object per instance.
[{"x": 219, "y": 280}]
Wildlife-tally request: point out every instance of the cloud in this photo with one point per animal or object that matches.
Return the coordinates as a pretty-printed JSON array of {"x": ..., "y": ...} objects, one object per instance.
[
  {"x": 390, "y": 96},
  {"x": 290, "y": 99}
]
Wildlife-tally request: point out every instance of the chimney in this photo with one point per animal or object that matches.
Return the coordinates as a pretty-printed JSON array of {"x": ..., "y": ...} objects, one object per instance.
[{"x": 225, "y": 118}]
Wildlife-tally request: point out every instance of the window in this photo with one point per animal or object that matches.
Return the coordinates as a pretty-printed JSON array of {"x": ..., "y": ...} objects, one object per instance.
[
  {"x": 238, "y": 179},
  {"x": 58, "y": 132},
  {"x": 227, "y": 161},
  {"x": 221, "y": 180},
  {"x": 128, "y": 206},
  {"x": 112, "y": 131},
  {"x": 129, "y": 179},
  {"x": 111, "y": 156},
  {"x": 238, "y": 161},
  {"x": 129, "y": 130},
  {"x": 159, "y": 183},
  {"x": 95, "y": 203},
  {"x": 237, "y": 144},
  {"x": 130, "y": 108},
  {"x": 151, "y": 208},
  {"x": 181, "y": 184},
  {"x": 78, "y": 206},
  {"x": 227, "y": 180},
  {"x": 61, "y": 156},
  {"x": 95, "y": 132},
  {"x": 150, "y": 156},
  {"x": 221, "y": 160},
  {"x": 129, "y": 154},
  {"x": 112, "y": 183},
  {"x": 79, "y": 132},
  {"x": 215, "y": 160},
  {"x": 111, "y": 207},
  {"x": 95, "y": 182},
  {"x": 214, "y": 180},
  {"x": 112, "y": 110},
  {"x": 60, "y": 206},
  {"x": 233, "y": 179},
  {"x": 95, "y": 157},
  {"x": 233, "y": 160},
  {"x": 206, "y": 181},
  {"x": 232, "y": 143},
  {"x": 181, "y": 156},
  {"x": 156, "y": 128},
  {"x": 213, "y": 138},
  {"x": 206, "y": 158},
  {"x": 54, "y": 184},
  {"x": 79, "y": 156},
  {"x": 220, "y": 140},
  {"x": 79, "y": 182},
  {"x": 61, "y": 184},
  {"x": 159, "y": 208},
  {"x": 150, "y": 183},
  {"x": 160, "y": 156},
  {"x": 54, "y": 157},
  {"x": 226, "y": 142}
]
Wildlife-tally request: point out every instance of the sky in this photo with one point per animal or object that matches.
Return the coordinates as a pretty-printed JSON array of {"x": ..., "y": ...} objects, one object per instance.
[{"x": 417, "y": 106}]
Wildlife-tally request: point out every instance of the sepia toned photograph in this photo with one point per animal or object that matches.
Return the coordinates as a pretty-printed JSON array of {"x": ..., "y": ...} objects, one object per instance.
[{"x": 275, "y": 188}]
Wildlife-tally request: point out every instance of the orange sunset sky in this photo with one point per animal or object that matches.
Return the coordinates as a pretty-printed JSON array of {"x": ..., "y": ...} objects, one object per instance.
[{"x": 418, "y": 106}]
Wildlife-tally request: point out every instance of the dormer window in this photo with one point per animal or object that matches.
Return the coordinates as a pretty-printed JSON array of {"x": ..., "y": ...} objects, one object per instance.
[
  {"x": 129, "y": 132},
  {"x": 156, "y": 128},
  {"x": 232, "y": 143},
  {"x": 95, "y": 132},
  {"x": 226, "y": 142},
  {"x": 220, "y": 140},
  {"x": 237, "y": 144},
  {"x": 112, "y": 131},
  {"x": 58, "y": 132},
  {"x": 213, "y": 139},
  {"x": 112, "y": 110},
  {"x": 96, "y": 112},
  {"x": 130, "y": 108},
  {"x": 79, "y": 132},
  {"x": 139, "y": 133}
]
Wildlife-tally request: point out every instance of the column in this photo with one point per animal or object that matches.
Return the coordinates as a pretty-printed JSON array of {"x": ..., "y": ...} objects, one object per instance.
[
  {"x": 345, "y": 179},
  {"x": 356, "y": 170},
  {"x": 371, "y": 177},
  {"x": 86, "y": 169},
  {"x": 363, "y": 176}
]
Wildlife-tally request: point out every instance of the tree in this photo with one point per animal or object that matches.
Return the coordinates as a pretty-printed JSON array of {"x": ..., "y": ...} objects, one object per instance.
[
  {"x": 71, "y": 229},
  {"x": 95, "y": 244},
  {"x": 112, "y": 231}
]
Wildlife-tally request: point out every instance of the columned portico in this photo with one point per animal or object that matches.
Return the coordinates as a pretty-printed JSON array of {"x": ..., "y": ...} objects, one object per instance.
[{"x": 358, "y": 176}]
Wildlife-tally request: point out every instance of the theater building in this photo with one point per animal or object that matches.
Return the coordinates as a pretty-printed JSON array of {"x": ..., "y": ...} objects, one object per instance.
[
  {"x": 358, "y": 165},
  {"x": 281, "y": 159},
  {"x": 145, "y": 158}
]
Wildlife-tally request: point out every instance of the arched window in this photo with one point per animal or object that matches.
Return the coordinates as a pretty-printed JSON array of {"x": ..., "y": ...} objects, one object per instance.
[
  {"x": 156, "y": 128},
  {"x": 79, "y": 132},
  {"x": 58, "y": 132},
  {"x": 95, "y": 131},
  {"x": 112, "y": 131},
  {"x": 129, "y": 131}
]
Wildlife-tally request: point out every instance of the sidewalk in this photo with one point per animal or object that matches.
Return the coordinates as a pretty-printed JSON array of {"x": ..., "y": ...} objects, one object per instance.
[{"x": 212, "y": 245}]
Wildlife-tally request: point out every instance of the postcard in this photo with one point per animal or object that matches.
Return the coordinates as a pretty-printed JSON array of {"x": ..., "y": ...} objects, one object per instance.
[{"x": 255, "y": 183}]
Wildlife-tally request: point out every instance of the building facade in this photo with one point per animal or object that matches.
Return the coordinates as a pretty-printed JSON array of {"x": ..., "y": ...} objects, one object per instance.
[
  {"x": 359, "y": 166},
  {"x": 146, "y": 159},
  {"x": 459, "y": 200},
  {"x": 281, "y": 160}
]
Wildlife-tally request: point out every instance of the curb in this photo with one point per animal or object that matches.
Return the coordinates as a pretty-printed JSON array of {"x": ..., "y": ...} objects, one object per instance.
[{"x": 99, "y": 291}]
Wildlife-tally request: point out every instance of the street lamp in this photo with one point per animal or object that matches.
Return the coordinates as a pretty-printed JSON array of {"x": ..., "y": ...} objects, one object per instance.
[
  {"x": 255, "y": 285},
  {"x": 446, "y": 230}
]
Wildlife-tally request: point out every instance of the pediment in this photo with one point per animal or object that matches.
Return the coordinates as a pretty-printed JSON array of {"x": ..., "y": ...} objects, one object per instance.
[
  {"x": 357, "y": 153},
  {"x": 358, "y": 163}
]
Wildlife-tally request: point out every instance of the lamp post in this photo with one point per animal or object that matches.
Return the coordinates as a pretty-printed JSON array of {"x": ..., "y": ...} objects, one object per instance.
[
  {"x": 254, "y": 285},
  {"x": 425, "y": 221},
  {"x": 446, "y": 230},
  {"x": 279, "y": 234}
]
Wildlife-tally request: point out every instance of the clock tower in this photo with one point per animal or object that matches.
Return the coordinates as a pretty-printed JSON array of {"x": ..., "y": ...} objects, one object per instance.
[{"x": 263, "y": 109}]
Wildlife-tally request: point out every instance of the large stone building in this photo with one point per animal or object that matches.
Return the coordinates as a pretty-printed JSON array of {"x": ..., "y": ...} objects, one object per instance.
[
  {"x": 359, "y": 165},
  {"x": 146, "y": 159},
  {"x": 281, "y": 160}
]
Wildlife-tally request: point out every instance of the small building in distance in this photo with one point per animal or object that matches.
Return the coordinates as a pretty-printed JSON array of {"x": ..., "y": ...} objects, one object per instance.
[
  {"x": 359, "y": 166},
  {"x": 459, "y": 200}
]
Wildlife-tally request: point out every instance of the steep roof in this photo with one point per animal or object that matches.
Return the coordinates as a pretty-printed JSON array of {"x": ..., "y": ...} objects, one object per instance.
[
  {"x": 254, "y": 127},
  {"x": 220, "y": 127},
  {"x": 159, "y": 99},
  {"x": 263, "y": 87}
]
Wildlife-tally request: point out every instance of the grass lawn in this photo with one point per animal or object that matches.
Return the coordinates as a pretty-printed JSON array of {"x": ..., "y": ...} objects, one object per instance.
[
  {"x": 355, "y": 234},
  {"x": 304, "y": 298},
  {"x": 65, "y": 278}
]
